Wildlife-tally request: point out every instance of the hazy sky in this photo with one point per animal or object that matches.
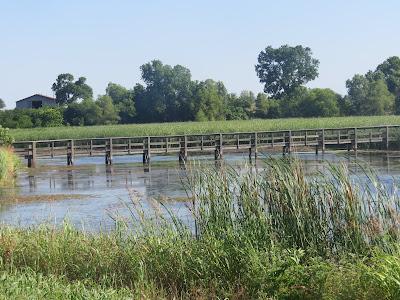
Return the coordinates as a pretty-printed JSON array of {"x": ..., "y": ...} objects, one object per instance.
[{"x": 109, "y": 40}]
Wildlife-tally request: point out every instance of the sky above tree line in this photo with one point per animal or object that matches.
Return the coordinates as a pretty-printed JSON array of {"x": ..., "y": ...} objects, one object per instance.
[{"x": 109, "y": 40}]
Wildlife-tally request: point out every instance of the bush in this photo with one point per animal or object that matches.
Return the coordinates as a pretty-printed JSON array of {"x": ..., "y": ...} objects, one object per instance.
[{"x": 6, "y": 138}]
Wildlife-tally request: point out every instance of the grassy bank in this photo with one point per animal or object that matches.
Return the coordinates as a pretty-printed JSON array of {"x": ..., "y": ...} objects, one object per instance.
[
  {"x": 198, "y": 127},
  {"x": 271, "y": 234},
  {"x": 8, "y": 166}
]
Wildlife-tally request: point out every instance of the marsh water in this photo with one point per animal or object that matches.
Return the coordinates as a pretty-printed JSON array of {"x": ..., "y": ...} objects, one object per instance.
[{"x": 90, "y": 193}]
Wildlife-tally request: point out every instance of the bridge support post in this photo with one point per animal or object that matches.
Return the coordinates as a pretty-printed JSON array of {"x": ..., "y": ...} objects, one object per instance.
[
  {"x": 218, "y": 148},
  {"x": 183, "y": 151},
  {"x": 31, "y": 156},
  {"x": 316, "y": 150},
  {"x": 70, "y": 153},
  {"x": 323, "y": 141},
  {"x": 146, "y": 151},
  {"x": 108, "y": 156}
]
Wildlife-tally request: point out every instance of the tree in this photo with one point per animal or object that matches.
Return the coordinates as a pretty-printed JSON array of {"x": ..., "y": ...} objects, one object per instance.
[
  {"x": 284, "y": 69},
  {"x": 68, "y": 91},
  {"x": 390, "y": 70},
  {"x": 209, "y": 100},
  {"x": 241, "y": 107},
  {"x": 319, "y": 103},
  {"x": 109, "y": 114},
  {"x": 369, "y": 96},
  {"x": 262, "y": 105},
  {"x": 86, "y": 112},
  {"x": 167, "y": 95},
  {"x": 123, "y": 100},
  {"x": 2, "y": 104}
]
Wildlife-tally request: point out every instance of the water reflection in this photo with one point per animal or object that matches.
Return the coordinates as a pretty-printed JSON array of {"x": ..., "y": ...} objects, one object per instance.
[{"x": 107, "y": 187}]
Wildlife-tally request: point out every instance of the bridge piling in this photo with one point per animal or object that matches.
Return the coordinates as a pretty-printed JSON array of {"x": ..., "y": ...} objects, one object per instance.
[
  {"x": 31, "y": 156},
  {"x": 70, "y": 153}
]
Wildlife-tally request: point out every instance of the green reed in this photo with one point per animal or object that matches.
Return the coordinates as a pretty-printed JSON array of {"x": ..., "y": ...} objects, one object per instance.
[{"x": 271, "y": 233}]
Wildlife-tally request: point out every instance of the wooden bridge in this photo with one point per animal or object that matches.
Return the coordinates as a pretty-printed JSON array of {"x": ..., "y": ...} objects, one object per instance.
[{"x": 216, "y": 143}]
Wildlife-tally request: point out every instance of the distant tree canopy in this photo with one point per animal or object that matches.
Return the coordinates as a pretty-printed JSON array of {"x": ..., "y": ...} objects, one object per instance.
[
  {"x": 2, "y": 104},
  {"x": 284, "y": 69},
  {"x": 169, "y": 93},
  {"x": 67, "y": 90}
]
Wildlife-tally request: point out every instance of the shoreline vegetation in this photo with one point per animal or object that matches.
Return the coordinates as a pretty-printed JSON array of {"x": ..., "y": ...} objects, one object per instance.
[
  {"x": 270, "y": 234},
  {"x": 177, "y": 128},
  {"x": 9, "y": 163}
]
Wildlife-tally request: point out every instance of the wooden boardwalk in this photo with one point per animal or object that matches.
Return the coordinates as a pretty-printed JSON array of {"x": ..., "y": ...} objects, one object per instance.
[{"x": 217, "y": 143}]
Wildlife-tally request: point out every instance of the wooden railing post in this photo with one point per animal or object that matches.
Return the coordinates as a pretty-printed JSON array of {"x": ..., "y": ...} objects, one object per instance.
[
  {"x": 387, "y": 138},
  {"x": 305, "y": 137},
  {"x": 255, "y": 145},
  {"x": 323, "y": 140},
  {"x": 52, "y": 149},
  {"x": 91, "y": 147},
  {"x": 355, "y": 145}
]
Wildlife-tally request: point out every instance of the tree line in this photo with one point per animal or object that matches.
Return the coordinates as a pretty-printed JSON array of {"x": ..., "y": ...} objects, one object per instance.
[{"x": 169, "y": 93}]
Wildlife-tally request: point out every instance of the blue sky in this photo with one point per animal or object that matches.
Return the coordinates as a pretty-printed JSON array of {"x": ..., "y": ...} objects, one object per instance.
[{"x": 109, "y": 40}]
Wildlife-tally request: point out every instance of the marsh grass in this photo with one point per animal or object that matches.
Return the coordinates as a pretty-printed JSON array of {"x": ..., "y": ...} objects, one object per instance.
[
  {"x": 9, "y": 163},
  {"x": 176, "y": 128},
  {"x": 271, "y": 233}
]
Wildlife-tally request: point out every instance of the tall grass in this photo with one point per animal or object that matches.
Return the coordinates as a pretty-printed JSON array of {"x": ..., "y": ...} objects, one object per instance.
[
  {"x": 332, "y": 212},
  {"x": 8, "y": 165},
  {"x": 269, "y": 233},
  {"x": 199, "y": 127}
]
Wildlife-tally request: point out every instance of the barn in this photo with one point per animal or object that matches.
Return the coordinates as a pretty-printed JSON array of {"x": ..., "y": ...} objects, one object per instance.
[{"x": 36, "y": 101}]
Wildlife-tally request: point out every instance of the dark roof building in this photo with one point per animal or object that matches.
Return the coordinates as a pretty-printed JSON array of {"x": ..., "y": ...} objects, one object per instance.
[{"x": 36, "y": 101}]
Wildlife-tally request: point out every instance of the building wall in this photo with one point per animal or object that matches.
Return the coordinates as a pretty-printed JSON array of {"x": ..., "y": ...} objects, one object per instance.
[{"x": 27, "y": 103}]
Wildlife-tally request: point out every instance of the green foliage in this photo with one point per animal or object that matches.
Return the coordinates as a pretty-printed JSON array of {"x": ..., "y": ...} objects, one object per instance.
[
  {"x": 30, "y": 285},
  {"x": 209, "y": 101},
  {"x": 242, "y": 107},
  {"x": 283, "y": 69},
  {"x": 86, "y": 112},
  {"x": 8, "y": 166},
  {"x": 6, "y": 139},
  {"x": 28, "y": 118},
  {"x": 369, "y": 96},
  {"x": 262, "y": 106},
  {"x": 319, "y": 103},
  {"x": 108, "y": 113},
  {"x": 68, "y": 91},
  {"x": 167, "y": 95},
  {"x": 123, "y": 100},
  {"x": 2, "y": 104}
]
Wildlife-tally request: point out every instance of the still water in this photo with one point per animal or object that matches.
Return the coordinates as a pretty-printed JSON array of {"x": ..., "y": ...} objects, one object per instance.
[{"x": 88, "y": 193}]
